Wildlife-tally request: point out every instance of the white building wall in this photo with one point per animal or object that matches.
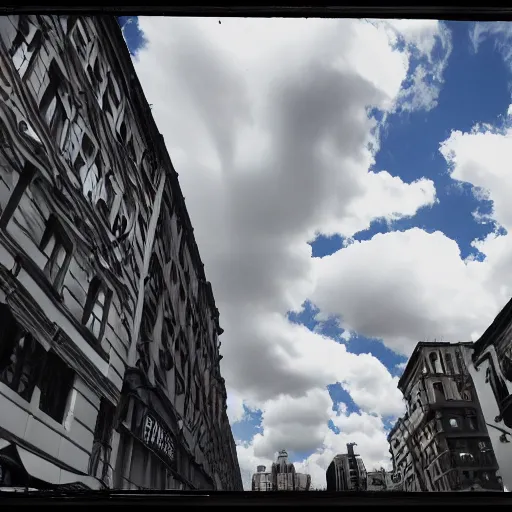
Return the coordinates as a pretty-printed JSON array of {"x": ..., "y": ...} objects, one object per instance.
[{"x": 490, "y": 410}]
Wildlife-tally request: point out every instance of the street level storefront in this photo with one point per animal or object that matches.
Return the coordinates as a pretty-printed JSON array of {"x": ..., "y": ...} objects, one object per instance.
[
  {"x": 152, "y": 452},
  {"x": 20, "y": 467}
]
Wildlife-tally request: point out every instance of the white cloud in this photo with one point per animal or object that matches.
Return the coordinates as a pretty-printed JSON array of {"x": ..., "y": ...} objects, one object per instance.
[
  {"x": 421, "y": 38},
  {"x": 410, "y": 286},
  {"x": 267, "y": 123},
  {"x": 404, "y": 287},
  {"x": 500, "y": 33},
  {"x": 236, "y": 411}
]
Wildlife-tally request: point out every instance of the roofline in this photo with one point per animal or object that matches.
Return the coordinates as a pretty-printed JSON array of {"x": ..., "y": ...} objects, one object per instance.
[
  {"x": 495, "y": 330},
  {"x": 416, "y": 352},
  {"x": 115, "y": 34}
]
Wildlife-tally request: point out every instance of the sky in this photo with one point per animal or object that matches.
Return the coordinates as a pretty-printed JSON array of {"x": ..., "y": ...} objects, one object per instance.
[{"x": 347, "y": 183}]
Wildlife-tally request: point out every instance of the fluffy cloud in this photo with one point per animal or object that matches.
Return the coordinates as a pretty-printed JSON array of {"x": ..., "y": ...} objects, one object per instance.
[
  {"x": 414, "y": 283},
  {"x": 405, "y": 287},
  {"x": 269, "y": 125}
]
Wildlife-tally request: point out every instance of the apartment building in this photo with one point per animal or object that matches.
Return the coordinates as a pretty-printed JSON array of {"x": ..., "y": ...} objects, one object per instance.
[
  {"x": 441, "y": 443},
  {"x": 109, "y": 353}
]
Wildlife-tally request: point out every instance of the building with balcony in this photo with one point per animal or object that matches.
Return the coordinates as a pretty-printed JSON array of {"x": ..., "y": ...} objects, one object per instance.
[
  {"x": 346, "y": 472},
  {"x": 441, "y": 443},
  {"x": 282, "y": 477},
  {"x": 489, "y": 361},
  {"x": 109, "y": 352}
]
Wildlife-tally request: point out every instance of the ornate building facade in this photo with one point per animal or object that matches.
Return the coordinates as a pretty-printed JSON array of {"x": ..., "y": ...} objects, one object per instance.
[
  {"x": 489, "y": 361},
  {"x": 441, "y": 443},
  {"x": 282, "y": 476},
  {"x": 109, "y": 352}
]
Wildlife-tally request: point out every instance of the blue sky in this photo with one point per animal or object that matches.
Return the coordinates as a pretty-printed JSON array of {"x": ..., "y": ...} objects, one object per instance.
[{"x": 475, "y": 89}]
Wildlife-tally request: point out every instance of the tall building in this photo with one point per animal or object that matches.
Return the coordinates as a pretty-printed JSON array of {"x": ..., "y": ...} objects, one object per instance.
[
  {"x": 489, "y": 362},
  {"x": 282, "y": 477},
  {"x": 262, "y": 480},
  {"x": 442, "y": 443},
  {"x": 346, "y": 472},
  {"x": 109, "y": 353}
]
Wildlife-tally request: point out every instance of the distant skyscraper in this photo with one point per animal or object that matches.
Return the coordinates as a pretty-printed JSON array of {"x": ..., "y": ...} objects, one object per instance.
[{"x": 282, "y": 477}]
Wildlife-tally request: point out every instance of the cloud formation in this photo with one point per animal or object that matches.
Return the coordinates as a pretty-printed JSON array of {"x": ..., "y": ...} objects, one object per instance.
[{"x": 273, "y": 126}]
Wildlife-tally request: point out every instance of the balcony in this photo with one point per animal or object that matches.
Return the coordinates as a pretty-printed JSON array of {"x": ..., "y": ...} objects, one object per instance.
[{"x": 466, "y": 459}]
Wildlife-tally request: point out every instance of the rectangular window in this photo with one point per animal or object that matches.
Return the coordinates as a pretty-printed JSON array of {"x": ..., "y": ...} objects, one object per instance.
[
  {"x": 20, "y": 356},
  {"x": 24, "y": 181},
  {"x": 58, "y": 248},
  {"x": 102, "y": 447},
  {"x": 56, "y": 383},
  {"x": 439, "y": 392},
  {"x": 97, "y": 306},
  {"x": 51, "y": 106},
  {"x": 180, "y": 384},
  {"x": 449, "y": 364}
]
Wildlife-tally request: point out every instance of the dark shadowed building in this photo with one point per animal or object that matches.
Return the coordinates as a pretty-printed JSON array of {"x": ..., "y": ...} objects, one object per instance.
[
  {"x": 346, "y": 472},
  {"x": 109, "y": 352},
  {"x": 442, "y": 442}
]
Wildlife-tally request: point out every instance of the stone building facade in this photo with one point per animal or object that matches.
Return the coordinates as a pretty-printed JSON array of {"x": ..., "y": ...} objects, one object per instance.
[
  {"x": 489, "y": 362},
  {"x": 380, "y": 481},
  {"x": 441, "y": 443},
  {"x": 347, "y": 472},
  {"x": 109, "y": 352}
]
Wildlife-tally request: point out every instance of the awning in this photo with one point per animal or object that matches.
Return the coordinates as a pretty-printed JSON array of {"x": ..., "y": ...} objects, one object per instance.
[{"x": 46, "y": 471}]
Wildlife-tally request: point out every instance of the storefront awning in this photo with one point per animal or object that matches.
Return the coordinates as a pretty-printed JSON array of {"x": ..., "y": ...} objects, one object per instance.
[{"x": 46, "y": 471}]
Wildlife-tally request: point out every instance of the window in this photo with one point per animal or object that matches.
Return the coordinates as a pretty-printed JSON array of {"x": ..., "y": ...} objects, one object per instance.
[
  {"x": 472, "y": 419},
  {"x": 180, "y": 384},
  {"x": 24, "y": 181},
  {"x": 97, "y": 306},
  {"x": 439, "y": 392},
  {"x": 460, "y": 362},
  {"x": 449, "y": 364},
  {"x": 56, "y": 384},
  {"x": 58, "y": 248},
  {"x": 433, "y": 362},
  {"x": 51, "y": 106},
  {"x": 20, "y": 356},
  {"x": 102, "y": 448}
]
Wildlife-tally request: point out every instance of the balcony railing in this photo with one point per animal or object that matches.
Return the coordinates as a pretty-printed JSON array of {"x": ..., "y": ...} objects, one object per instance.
[{"x": 466, "y": 459}]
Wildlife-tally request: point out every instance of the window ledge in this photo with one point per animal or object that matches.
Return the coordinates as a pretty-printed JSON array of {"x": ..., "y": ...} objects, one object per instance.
[
  {"x": 38, "y": 276},
  {"x": 32, "y": 408}
]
